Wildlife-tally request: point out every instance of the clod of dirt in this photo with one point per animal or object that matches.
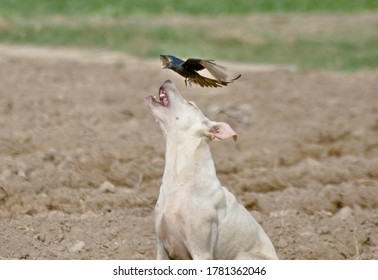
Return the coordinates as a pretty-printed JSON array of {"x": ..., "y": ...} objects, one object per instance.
[
  {"x": 77, "y": 247},
  {"x": 344, "y": 214},
  {"x": 107, "y": 187}
]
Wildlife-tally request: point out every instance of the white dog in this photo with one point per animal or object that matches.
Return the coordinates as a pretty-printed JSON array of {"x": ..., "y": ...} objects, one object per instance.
[{"x": 197, "y": 218}]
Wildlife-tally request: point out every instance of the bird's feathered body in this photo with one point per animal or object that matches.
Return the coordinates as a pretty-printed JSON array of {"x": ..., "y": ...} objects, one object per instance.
[{"x": 189, "y": 70}]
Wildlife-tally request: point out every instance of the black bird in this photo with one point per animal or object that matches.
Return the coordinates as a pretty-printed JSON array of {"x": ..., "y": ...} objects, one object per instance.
[{"x": 189, "y": 70}]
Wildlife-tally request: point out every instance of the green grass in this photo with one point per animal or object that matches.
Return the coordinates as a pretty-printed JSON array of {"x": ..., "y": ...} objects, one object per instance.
[
  {"x": 309, "y": 51},
  {"x": 218, "y": 29},
  {"x": 122, "y": 8}
]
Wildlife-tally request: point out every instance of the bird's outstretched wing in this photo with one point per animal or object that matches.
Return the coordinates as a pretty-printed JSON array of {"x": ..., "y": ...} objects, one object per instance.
[
  {"x": 194, "y": 63},
  {"x": 204, "y": 81},
  {"x": 208, "y": 82},
  {"x": 216, "y": 70}
]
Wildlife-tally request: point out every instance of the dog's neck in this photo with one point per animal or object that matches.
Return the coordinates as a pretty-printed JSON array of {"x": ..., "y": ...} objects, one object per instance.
[{"x": 188, "y": 162}]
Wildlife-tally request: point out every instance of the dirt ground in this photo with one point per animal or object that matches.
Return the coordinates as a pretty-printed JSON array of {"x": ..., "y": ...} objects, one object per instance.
[{"x": 81, "y": 158}]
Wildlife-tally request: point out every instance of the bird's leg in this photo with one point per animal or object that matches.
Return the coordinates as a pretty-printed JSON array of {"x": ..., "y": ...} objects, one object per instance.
[{"x": 188, "y": 81}]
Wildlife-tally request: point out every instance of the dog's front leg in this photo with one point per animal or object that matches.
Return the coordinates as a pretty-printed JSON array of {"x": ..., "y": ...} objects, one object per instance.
[
  {"x": 161, "y": 254},
  {"x": 203, "y": 241}
]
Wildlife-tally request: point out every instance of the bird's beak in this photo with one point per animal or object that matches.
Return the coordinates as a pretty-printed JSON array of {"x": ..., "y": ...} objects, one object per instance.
[{"x": 165, "y": 61}]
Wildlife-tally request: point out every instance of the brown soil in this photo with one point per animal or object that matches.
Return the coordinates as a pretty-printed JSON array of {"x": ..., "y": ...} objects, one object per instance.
[{"x": 81, "y": 158}]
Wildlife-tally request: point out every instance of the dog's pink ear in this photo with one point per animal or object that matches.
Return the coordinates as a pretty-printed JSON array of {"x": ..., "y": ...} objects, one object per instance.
[{"x": 220, "y": 131}]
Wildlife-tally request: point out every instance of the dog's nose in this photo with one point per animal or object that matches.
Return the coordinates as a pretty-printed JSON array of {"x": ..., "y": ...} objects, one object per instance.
[{"x": 167, "y": 83}]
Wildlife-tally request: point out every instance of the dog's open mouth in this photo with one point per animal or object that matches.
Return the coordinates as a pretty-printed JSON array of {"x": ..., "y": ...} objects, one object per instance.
[{"x": 162, "y": 99}]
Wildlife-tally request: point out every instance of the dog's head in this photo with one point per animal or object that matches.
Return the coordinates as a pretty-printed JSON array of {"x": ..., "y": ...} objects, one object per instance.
[{"x": 178, "y": 116}]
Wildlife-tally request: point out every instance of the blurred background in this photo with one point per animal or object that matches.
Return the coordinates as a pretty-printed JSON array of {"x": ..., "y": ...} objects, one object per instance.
[
  {"x": 81, "y": 158},
  {"x": 312, "y": 34}
]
